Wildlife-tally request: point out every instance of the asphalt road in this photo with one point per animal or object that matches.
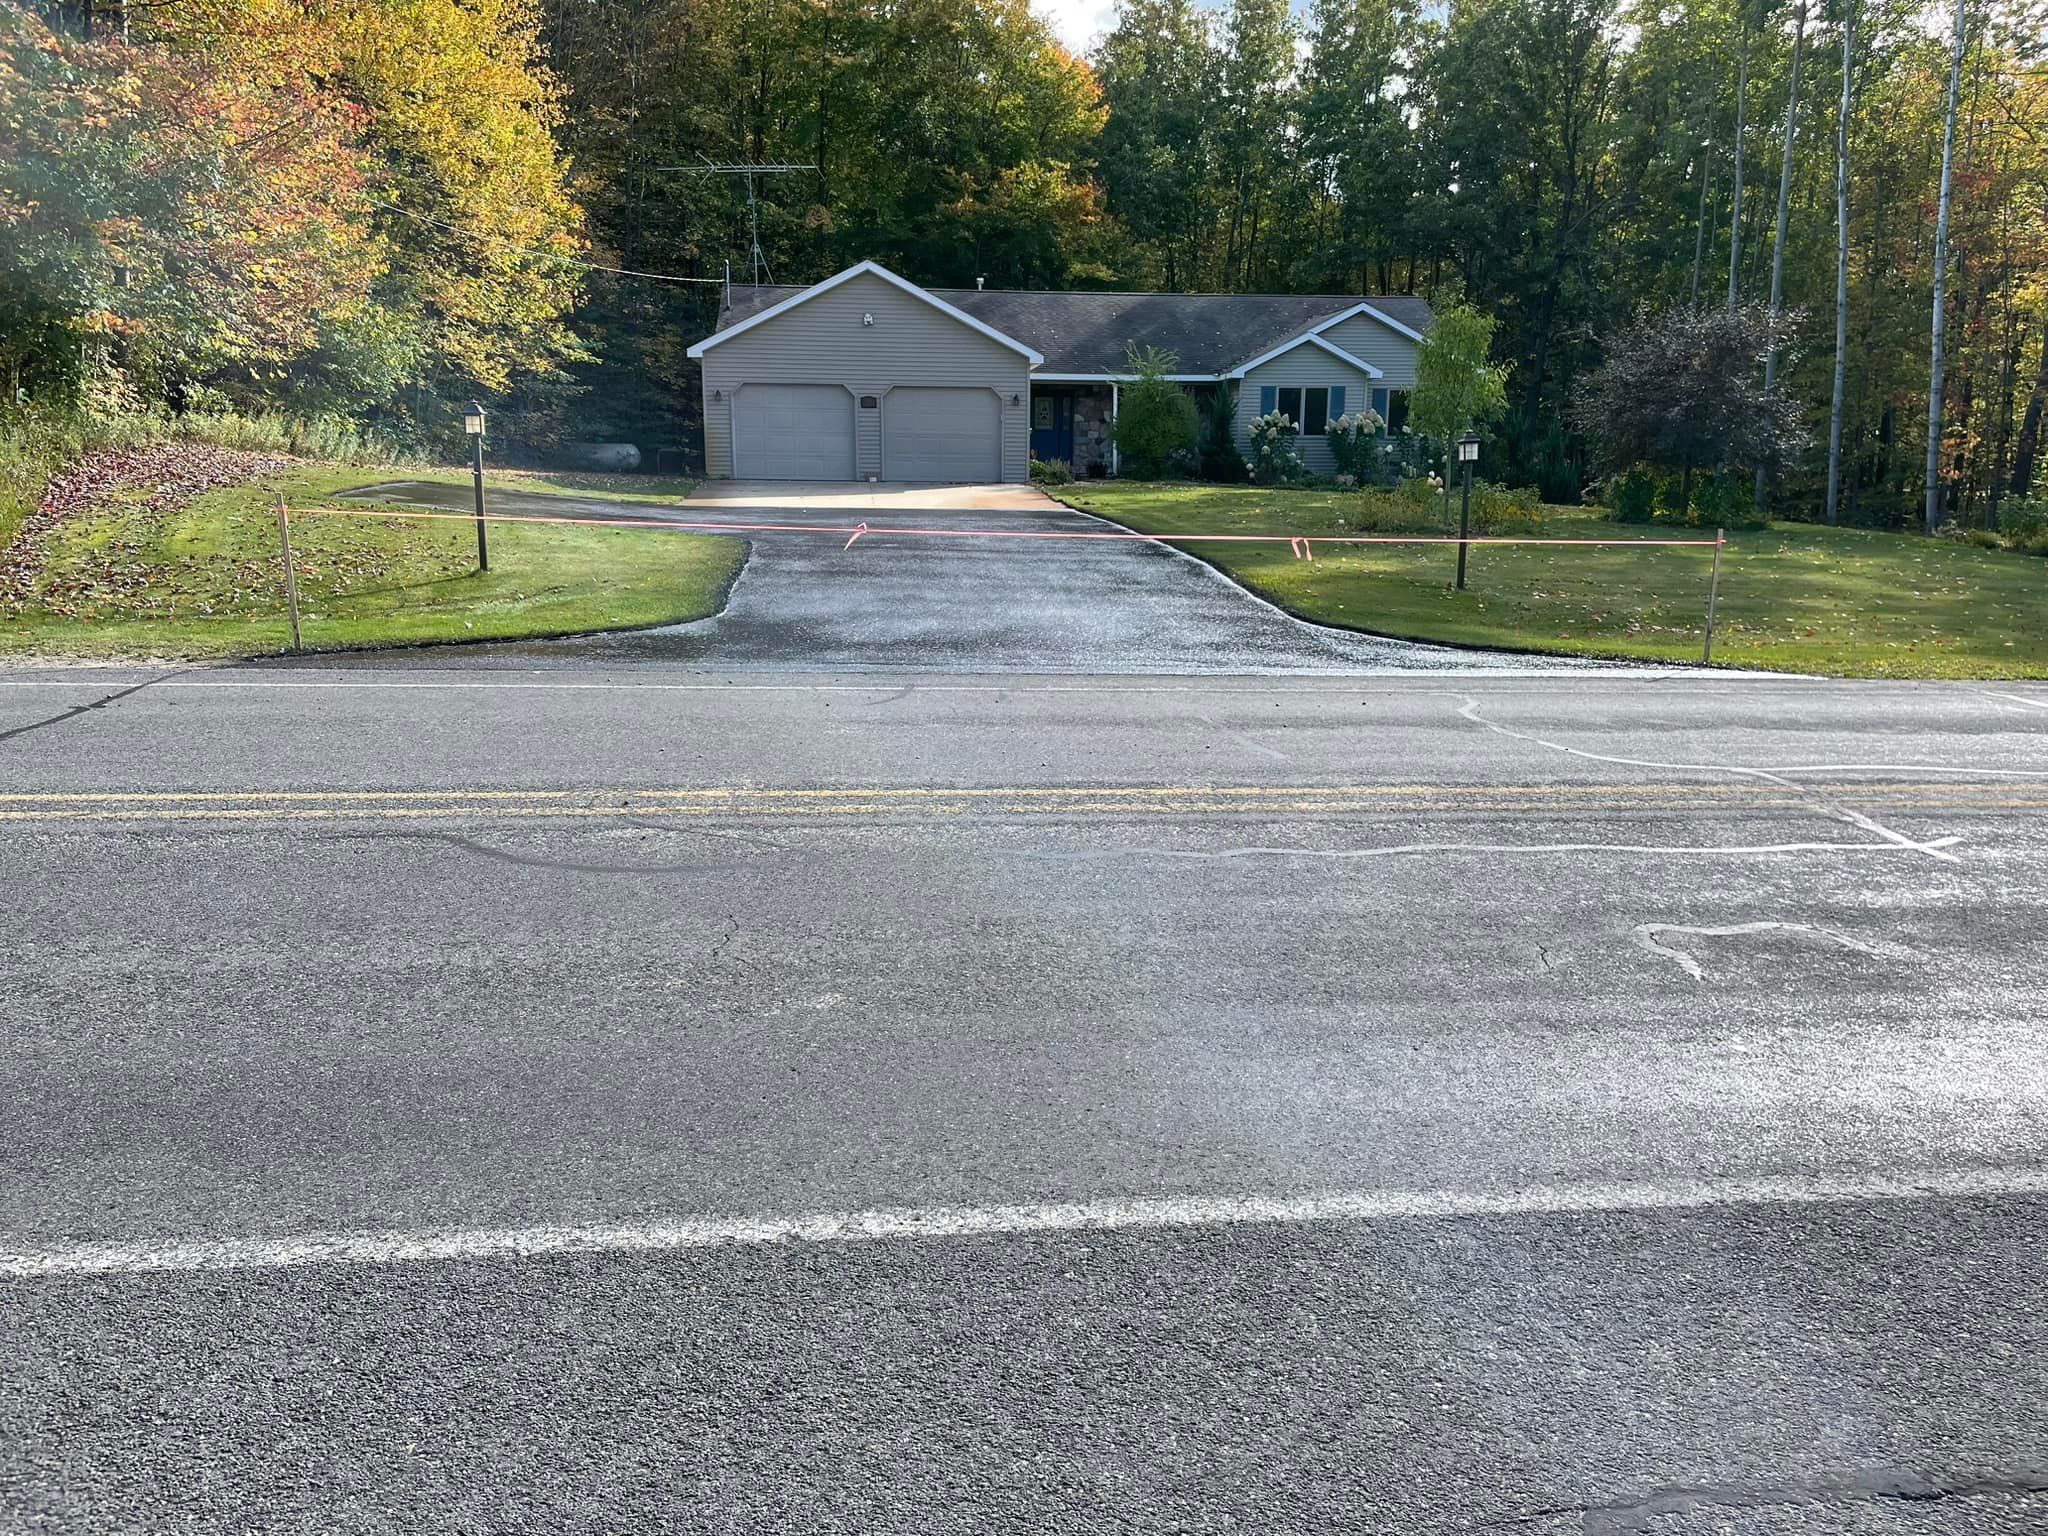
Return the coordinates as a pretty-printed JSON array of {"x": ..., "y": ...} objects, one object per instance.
[
  {"x": 629, "y": 1101},
  {"x": 942, "y": 604}
]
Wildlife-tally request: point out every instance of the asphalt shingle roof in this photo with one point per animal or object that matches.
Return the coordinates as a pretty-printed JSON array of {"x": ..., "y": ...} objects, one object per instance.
[{"x": 1091, "y": 332}]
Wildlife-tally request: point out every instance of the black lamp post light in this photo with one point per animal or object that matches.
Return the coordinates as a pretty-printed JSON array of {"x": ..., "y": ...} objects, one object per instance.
[
  {"x": 473, "y": 424},
  {"x": 1468, "y": 455}
]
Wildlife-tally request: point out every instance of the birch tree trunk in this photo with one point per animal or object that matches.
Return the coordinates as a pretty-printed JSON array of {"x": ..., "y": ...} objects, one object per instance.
[
  {"x": 1699, "y": 242},
  {"x": 1938, "y": 358},
  {"x": 1778, "y": 237},
  {"x": 1735, "y": 213},
  {"x": 1841, "y": 266}
]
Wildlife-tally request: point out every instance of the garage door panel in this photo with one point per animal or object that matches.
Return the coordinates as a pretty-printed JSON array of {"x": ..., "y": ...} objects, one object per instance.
[
  {"x": 942, "y": 434},
  {"x": 793, "y": 432}
]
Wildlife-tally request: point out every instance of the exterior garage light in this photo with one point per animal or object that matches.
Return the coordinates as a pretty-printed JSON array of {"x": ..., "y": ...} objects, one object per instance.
[{"x": 1016, "y": 399}]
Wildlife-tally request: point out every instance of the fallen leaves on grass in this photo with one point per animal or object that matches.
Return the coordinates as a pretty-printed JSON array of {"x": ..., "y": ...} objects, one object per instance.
[
  {"x": 106, "y": 543},
  {"x": 124, "y": 569}
]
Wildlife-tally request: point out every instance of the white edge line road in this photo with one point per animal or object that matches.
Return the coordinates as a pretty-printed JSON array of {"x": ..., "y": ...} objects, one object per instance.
[{"x": 465, "y": 1244}]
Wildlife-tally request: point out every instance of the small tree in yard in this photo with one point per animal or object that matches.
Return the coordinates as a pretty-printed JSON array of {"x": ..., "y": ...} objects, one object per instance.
[
  {"x": 1682, "y": 391},
  {"x": 1154, "y": 416},
  {"x": 1457, "y": 385}
]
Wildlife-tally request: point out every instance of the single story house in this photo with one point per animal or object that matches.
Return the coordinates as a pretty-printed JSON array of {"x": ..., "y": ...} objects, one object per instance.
[{"x": 867, "y": 376}]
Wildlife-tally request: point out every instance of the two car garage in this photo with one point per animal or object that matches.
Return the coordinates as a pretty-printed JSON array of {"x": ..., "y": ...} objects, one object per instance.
[
  {"x": 863, "y": 377},
  {"x": 811, "y": 431}
]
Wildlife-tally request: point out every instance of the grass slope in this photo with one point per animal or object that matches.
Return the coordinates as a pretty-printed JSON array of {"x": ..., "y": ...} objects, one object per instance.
[
  {"x": 1794, "y": 598},
  {"x": 204, "y": 579}
]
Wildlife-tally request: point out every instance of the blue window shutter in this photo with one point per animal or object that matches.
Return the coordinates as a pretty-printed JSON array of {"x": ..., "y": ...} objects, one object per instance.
[
  {"x": 1336, "y": 401},
  {"x": 1269, "y": 399}
]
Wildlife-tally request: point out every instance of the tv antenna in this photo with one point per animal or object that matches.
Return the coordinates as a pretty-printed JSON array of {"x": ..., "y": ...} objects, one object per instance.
[{"x": 749, "y": 170}]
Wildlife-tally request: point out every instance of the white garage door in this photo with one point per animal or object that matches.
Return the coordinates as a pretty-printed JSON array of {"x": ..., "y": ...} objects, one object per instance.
[
  {"x": 942, "y": 434},
  {"x": 792, "y": 432}
]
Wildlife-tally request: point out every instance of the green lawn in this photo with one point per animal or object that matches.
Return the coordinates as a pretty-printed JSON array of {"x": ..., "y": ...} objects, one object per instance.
[
  {"x": 1794, "y": 598},
  {"x": 553, "y": 482},
  {"x": 205, "y": 579}
]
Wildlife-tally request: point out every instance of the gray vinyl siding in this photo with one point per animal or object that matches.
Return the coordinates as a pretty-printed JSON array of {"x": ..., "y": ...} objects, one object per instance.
[
  {"x": 1308, "y": 367},
  {"x": 822, "y": 341},
  {"x": 1370, "y": 342}
]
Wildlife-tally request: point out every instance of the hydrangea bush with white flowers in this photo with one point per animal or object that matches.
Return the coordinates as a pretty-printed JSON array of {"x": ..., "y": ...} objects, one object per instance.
[
  {"x": 1276, "y": 456},
  {"x": 1354, "y": 440}
]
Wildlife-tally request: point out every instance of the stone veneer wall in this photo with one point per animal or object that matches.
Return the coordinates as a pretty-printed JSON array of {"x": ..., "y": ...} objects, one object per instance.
[{"x": 1091, "y": 429}]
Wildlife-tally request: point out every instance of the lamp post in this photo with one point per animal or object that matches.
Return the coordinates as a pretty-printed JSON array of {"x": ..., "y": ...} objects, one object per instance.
[
  {"x": 473, "y": 424},
  {"x": 1468, "y": 454}
]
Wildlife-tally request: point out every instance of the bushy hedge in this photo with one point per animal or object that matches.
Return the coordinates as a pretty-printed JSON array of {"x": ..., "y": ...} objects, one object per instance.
[
  {"x": 1632, "y": 497},
  {"x": 1641, "y": 495},
  {"x": 2022, "y": 527},
  {"x": 1155, "y": 418}
]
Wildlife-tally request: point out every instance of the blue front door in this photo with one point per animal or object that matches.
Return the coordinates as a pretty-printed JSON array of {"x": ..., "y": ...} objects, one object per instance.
[{"x": 1052, "y": 425}]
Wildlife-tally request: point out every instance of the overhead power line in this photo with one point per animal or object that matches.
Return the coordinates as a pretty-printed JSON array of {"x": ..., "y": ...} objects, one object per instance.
[{"x": 529, "y": 250}]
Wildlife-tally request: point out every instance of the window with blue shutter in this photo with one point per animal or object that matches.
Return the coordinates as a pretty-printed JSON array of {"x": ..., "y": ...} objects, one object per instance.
[
  {"x": 1269, "y": 399},
  {"x": 1336, "y": 401}
]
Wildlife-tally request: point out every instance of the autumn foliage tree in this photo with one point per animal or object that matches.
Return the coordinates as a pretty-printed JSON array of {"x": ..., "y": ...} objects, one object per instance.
[
  {"x": 356, "y": 206},
  {"x": 194, "y": 216}
]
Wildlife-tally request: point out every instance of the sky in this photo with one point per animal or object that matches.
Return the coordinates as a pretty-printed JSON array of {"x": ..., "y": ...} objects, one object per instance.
[{"x": 1078, "y": 22}]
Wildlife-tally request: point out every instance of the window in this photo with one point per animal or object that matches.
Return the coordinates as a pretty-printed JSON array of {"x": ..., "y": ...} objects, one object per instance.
[
  {"x": 1308, "y": 409},
  {"x": 1391, "y": 405}
]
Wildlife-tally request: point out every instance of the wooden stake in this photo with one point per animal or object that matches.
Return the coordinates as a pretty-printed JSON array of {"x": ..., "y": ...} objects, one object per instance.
[
  {"x": 1713, "y": 597},
  {"x": 291, "y": 576}
]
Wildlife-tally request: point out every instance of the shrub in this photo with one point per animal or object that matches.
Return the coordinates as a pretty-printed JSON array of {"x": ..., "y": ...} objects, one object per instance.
[
  {"x": 1632, "y": 496},
  {"x": 1155, "y": 415},
  {"x": 1051, "y": 471},
  {"x": 1983, "y": 538},
  {"x": 1421, "y": 497},
  {"x": 1220, "y": 459},
  {"x": 1354, "y": 440},
  {"x": 1183, "y": 464},
  {"x": 1497, "y": 509},
  {"x": 1724, "y": 501},
  {"x": 2022, "y": 520},
  {"x": 1276, "y": 456}
]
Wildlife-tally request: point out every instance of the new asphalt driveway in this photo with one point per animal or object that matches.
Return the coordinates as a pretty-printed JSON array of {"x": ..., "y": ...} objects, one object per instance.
[
  {"x": 636, "y": 1100},
  {"x": 933, "y": 602}
]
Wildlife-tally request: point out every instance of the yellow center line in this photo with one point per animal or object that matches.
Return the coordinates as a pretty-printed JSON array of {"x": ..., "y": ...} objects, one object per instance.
[
  {"x": 850, "y": 810},
  {"x": 1012, "y": 792}
]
